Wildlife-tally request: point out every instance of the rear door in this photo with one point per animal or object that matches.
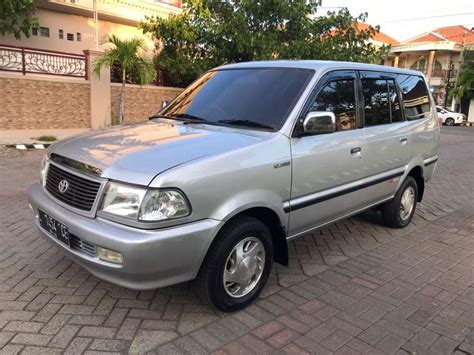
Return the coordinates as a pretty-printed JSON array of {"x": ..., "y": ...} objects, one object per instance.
[
  {"x": 421, "y": 119},
  {"x": 386, "y": 135}
]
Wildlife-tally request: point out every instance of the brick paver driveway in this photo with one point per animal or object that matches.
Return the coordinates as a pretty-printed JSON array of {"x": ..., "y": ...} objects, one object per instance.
[{"x": 354, "y": 287}]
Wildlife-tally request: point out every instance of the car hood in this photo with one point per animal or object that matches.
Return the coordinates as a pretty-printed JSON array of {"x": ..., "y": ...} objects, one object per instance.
[{"x": 137, "y": 153}]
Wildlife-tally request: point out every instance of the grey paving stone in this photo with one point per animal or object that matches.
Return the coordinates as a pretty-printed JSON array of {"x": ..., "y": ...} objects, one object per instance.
[{"x": 352, "y": 287}]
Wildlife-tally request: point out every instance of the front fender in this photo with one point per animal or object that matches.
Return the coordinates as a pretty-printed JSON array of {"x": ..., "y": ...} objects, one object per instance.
[{"x": 245, "y": 200}]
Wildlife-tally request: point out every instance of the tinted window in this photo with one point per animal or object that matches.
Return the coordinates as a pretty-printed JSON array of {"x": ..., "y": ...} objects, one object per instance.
[
  {"x": 395, "y": 108},
  {"x": 376, "y": 102},
  {"x": 416, "y": 99},
  {"x": 438, "y": 109},
  {"x": 338, "y": 97},
  {"x": 243, "y": 97}
]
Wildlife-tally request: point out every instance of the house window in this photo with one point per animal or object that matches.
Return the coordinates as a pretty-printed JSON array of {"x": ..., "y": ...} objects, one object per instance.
[
  {"x": 44, "y": 31},
  {"x": 34, "y": 31},
  {"x": 70, "y": 36},
  {"x": 78, "y": 36},
  {"x": 61, "y": 34}
]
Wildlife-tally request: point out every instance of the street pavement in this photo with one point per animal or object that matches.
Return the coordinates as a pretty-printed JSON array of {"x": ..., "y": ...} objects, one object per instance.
[{"x": 353, "y": 287}]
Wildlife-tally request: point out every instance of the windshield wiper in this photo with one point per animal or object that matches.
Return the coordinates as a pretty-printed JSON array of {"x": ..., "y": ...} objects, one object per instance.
[
  {"x": 187, "y": 118},
  {"x": 157, "y": 115},
  {"x": 246, "y": 123}
]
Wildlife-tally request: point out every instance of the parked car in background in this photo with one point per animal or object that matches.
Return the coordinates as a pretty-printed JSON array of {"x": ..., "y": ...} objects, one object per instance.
[
  {"x": 450, "y": 118},
  {"x": 247, "y": 158}
]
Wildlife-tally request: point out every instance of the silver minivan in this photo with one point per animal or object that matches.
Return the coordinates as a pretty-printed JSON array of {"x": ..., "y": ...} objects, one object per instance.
[{"x": 247, "y": 158}]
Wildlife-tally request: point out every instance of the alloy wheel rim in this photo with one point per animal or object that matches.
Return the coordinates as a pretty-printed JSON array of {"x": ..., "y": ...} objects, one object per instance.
[
  {"x": 244, "y": 267},
  {"x": 407, "y": 203}
]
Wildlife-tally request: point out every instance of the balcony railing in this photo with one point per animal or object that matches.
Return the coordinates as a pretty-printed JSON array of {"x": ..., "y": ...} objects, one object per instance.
[{"x": 37, "y": 61}]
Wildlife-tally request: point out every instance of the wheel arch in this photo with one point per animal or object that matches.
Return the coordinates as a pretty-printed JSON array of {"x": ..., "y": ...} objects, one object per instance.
[
  {"x": 417, "y": 173},
  {"x": 273, "y": 222}
]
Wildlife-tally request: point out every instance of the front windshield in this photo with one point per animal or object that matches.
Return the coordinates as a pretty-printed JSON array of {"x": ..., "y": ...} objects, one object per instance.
[{"x": 253, "y": 98}]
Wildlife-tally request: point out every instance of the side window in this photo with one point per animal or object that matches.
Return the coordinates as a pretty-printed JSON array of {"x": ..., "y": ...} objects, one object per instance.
[
  {"x": 338, "y": 97},
  {"x": 376, "y": 101},
  {"x": 395, "y": 108},
  {"x": 416, "y": 100},
  {"x": 438, "y": 109}
]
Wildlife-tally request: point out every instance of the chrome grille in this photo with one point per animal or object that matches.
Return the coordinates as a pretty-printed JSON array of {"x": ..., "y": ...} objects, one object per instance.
[
  {"x": 81, "y": 192},
  {"x": 82, "y": 245}
]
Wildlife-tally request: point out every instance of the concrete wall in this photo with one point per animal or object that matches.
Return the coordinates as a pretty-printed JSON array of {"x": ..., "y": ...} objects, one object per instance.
[
  {"x": 34, "y": 102},
  {"x": 70, "y": 23},
  {"x": 140, "y": 101}
]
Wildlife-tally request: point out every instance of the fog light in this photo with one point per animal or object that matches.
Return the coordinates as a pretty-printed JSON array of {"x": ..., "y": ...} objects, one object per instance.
[{"x": 110, "y": 256}]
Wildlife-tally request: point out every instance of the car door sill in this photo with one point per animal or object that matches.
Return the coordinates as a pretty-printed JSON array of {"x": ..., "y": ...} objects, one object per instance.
[{"x": 299, "y": 234}]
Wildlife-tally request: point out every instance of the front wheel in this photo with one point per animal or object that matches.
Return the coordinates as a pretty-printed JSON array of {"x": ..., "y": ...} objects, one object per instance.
[
  {"x": 237, "y": 265},
  {"x": 399, "y": 211},
  {"x": 449, "y": 122}
]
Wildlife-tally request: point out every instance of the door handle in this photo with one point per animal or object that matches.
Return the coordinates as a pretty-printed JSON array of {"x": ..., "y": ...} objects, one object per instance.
[
  {"x": 403, "y": 140},
  {"x": 356, "y": 152}
]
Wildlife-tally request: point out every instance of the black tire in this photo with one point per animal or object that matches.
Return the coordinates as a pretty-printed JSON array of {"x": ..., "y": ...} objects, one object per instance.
[
  {"x": 391, "y": 210},
  {"x": 210, "y": 280},
  {"x": 449, "y": 122}
]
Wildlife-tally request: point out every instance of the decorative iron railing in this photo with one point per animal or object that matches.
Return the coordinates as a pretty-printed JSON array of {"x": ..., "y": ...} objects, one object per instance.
[{"x": 38, "y": 61}]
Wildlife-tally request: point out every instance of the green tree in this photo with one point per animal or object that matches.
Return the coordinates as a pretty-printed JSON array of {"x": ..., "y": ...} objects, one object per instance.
[
  {"x": 465, "y": 82},
  {"x": 128, "y": 53},
  {"x": 213, "y": 32},
  {"x": 17, "y": 17}
]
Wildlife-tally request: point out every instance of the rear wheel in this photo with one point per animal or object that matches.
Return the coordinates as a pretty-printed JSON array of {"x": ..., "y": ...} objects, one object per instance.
[
  {"x": 449, "y": 122},
  {"x": 399, "y": 211},
  {"x": 237, "y": 265}
]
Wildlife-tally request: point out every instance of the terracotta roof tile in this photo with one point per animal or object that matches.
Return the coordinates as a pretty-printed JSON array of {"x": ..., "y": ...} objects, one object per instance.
[
  {"x": 451, "y": 33},
  {"x": 380, "y": 37}
]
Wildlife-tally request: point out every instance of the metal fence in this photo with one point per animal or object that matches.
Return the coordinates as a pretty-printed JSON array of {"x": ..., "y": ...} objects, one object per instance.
[{"x": 37, "y": 61}]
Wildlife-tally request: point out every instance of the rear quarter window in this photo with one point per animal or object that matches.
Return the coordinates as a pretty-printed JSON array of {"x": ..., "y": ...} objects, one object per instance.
[{"x": 416, "y": 99}]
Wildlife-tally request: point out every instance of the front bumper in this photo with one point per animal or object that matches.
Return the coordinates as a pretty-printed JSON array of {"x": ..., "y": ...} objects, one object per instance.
[{"x": 151, "y": 258}]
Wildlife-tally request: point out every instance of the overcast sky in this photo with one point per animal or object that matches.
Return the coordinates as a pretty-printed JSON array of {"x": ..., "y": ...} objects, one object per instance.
[{"x": 403, "y": 19}]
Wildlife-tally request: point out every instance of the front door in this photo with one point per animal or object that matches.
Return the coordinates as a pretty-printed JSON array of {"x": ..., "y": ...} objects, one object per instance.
[{"x": 327, "y": 168}]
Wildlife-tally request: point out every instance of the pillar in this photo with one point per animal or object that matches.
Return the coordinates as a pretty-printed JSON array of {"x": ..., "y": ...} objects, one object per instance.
[
  {"x": 396, "y": 61},
  {"x": 430, "y": 65},
  {"x": 99, "y": 91},
  {"x": 470, "y": 115}
]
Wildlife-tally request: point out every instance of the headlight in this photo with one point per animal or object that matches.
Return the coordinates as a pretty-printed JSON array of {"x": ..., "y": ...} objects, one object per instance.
[
  {"x": 122, "y": 200},
  {"x": 163, "y": 204},
  {"x": 144, "y": 205},
  {"x": 44, "y": 169}
]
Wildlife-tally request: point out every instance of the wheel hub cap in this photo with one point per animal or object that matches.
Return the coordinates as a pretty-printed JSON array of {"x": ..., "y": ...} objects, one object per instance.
[
  {"x": 407, "y": 203},
  {"x": 244, "y": 267}
]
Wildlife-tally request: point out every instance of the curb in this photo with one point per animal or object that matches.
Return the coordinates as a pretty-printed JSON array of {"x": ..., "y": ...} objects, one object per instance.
[{"x": 28, "y": 146}]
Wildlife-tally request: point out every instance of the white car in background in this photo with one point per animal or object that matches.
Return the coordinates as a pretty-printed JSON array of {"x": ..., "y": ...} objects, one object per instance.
[{"x": 450, "y": 118}]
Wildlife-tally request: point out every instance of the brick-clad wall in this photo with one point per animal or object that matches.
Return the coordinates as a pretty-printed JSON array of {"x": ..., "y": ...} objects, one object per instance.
[
  {"x": 140, "y": 101},
  {"x": 44, "y": 103}
]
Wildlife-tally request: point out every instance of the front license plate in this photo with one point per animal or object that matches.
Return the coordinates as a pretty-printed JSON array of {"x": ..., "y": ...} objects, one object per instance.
[{"x": 54, "y": 227}]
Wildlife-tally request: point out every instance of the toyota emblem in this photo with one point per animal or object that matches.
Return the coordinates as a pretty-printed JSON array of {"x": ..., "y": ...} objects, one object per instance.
[{"x": 63, "y": 186}]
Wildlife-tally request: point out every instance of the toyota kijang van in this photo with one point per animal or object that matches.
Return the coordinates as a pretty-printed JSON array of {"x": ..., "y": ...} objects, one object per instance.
[{"x": 247, "y": 158}]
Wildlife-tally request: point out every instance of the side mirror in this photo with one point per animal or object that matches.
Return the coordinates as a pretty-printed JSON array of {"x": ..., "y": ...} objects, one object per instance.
[
  {"x": 320, "y": 122},
  {"x": 164, "y": 103}
]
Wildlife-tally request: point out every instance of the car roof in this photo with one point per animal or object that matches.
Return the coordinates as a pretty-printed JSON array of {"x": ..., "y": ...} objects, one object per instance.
[{"x": 318, "y": 65}]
